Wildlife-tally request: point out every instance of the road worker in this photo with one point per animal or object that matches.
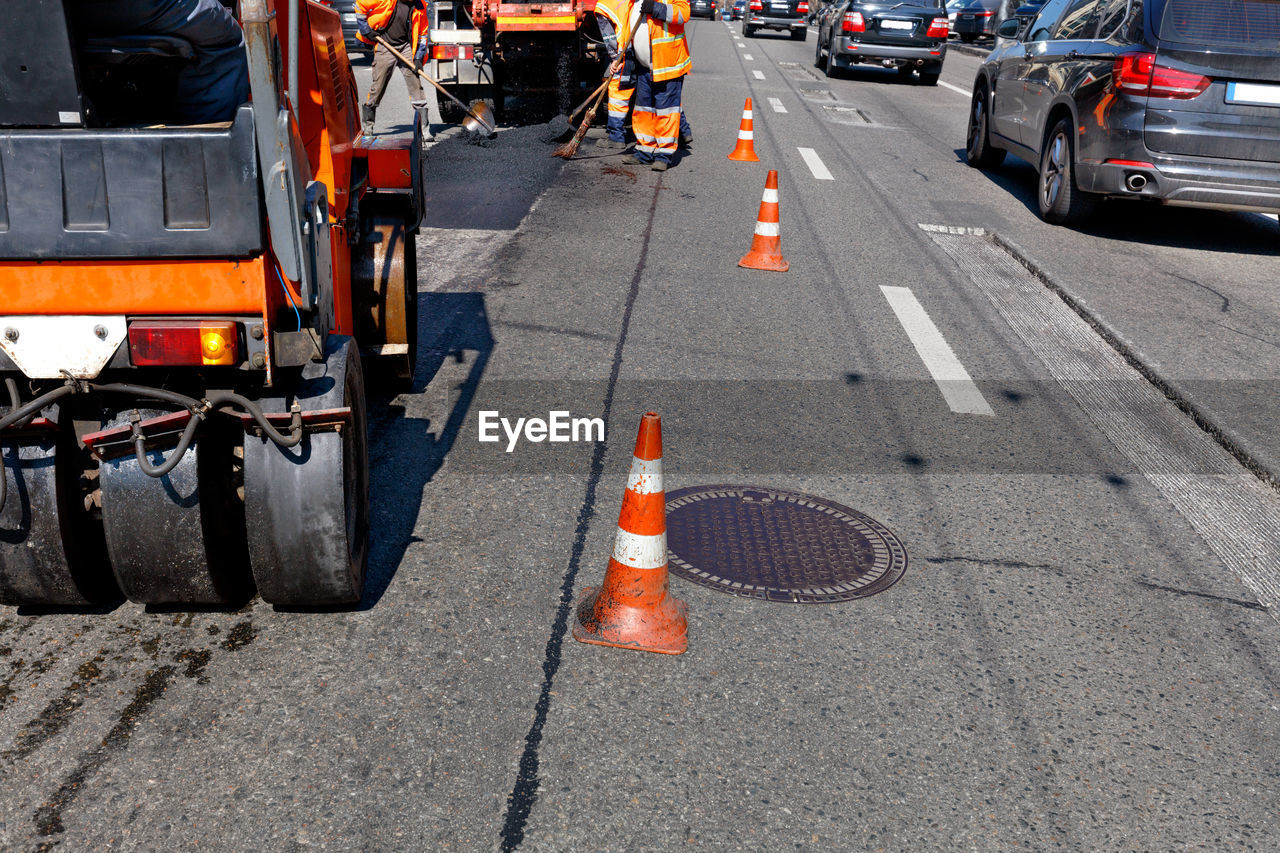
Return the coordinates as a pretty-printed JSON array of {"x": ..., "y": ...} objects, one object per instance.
[
  {"x": 404, "y": 24},
  {"x": 613, "y": 17},
  {"x": 208, "y": 89},
  {"x": 663, "y": 56}
]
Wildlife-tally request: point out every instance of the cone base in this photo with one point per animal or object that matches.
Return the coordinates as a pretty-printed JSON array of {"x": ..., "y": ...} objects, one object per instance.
[
  {"x": 748, "y": 156},
  {"x": 662, "y": 629},
  {"x": 758, "y": 261}
]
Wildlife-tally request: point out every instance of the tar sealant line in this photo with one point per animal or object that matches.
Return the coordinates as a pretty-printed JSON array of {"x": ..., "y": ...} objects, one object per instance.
[
  {"x": 944, "y": 84},
  {"x": 1235, "y": 513},
  {"x": 957, "y": 387},
  {"x": 815, "y": 164},
  {"x": 777, "y": 105},
  {"x": 759, "y": 75}
]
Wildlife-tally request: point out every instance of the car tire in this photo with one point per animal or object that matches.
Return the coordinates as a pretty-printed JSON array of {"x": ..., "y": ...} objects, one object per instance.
[
  {"x": 1061, "y": 202},
  {"x": 747, "y": 32},
  {"x": 978, "y": 150},
  {"x": 968, "y": 38},
  {"x": 830, "y": 68},
  {"x": 800, "y": 34},
  {"x": 905, "y": 72},
  {"x": 818, "y": 58},
  {"x": 930, "y": 78}
]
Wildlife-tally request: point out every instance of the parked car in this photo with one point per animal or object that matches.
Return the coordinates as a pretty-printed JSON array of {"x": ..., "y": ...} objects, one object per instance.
[
  {"x": 953, "y": 9},
  {"x": 703, "y": 8},
  {"x": 976, "y": 19},
  {"x": 1172, "y": 100},
  {"x": 786, "y": 15},
  {"x": 910, "y": 36},
  {"x": 739, "y": 8},
  {"x": 347, "y": 9}
]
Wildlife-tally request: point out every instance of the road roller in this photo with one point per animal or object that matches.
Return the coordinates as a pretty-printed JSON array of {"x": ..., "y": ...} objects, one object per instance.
[{"x": 189, "y": 314}]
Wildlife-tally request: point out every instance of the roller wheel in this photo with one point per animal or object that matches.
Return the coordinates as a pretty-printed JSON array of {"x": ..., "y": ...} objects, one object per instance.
[
  {"x": 178, "y": 539},
  {"x": 385, "y": 286},
  {"x": 307, "y": 507},
  {"x": 51, "y": 550}
]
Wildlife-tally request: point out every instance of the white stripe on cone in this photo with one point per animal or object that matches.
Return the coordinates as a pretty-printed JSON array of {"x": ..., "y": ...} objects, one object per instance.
[
  {"x": 640, "y": 552},
  {"x": 745, "y": 134},
  {"x": 767, "y": 229},
  {"x": 770, "y": 195},
  {"x": 747, "y": 114},
  {"x": 646, "y": 476}
]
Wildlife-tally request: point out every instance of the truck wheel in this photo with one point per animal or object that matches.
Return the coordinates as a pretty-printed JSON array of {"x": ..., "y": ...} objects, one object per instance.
[
  {"x": 52, "y": 553},
  {"x": 384, "y": 283},
  {"x": 1061, "y": 201},
  {"x": 307, "y": 507}
]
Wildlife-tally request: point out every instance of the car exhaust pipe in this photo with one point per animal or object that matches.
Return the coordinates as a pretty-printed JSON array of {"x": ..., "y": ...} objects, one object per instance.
[{"x": 1135, "y": 182}]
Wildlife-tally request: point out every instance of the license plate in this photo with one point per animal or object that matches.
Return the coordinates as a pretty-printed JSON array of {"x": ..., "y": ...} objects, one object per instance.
[
  {"x": 1259, "y": 94},
  {"x": 897, "y": 25},
  {"x": 966, "y": 17}
]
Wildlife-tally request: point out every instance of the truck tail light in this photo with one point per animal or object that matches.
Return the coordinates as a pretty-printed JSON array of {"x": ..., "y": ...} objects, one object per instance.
[
  {"x": 1138, "y": 74},
  {"x": 451, "y": 51},
  {"x": 183, "y": 342},
  {"x": 939, "y": 28},
  {"x": 853, "y": 23}
]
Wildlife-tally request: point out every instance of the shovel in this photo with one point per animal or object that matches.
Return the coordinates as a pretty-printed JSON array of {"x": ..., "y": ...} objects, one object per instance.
[{"x": 478, "y": 114}]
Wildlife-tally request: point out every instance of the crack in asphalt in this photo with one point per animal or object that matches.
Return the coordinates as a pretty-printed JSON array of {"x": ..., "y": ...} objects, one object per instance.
[{"x": 524, "y": 794}]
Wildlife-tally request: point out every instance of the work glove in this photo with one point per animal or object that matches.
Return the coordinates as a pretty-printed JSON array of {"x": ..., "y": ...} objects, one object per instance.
[
  {"x": 420, "y": 56},
  {"x": 363, "y": 27},
  {"x": 646, "y": 7}
]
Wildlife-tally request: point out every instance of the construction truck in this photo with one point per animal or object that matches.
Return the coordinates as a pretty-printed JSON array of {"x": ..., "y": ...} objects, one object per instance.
[
  {"x": 187, "y": 314},
  {"x": 486, "y": 49}
]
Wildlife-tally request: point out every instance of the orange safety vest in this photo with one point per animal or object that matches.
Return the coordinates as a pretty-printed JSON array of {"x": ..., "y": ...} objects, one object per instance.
[
  {"x": 378, "y": 13},
  {"x": 618, "y": 13},
  {"x": 668, "y": 51}
]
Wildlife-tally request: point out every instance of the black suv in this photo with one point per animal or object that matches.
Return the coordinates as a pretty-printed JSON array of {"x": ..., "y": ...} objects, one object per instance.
[
  {"x": 910, "y": 36},
  {"x": 786, "y": 15},
  {"x": 1172, "y": 100}
]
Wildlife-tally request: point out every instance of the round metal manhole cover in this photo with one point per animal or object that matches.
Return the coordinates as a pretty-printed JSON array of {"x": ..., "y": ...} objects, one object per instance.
[{"x": 779, "y": 545}]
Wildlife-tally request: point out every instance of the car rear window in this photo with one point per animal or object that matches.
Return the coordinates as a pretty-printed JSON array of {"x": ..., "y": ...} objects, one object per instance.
[{"x": 1234, "y": 23}]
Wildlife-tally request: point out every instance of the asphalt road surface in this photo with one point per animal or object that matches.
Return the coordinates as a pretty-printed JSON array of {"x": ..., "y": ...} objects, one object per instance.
[{"x": 1079, "y": 656}]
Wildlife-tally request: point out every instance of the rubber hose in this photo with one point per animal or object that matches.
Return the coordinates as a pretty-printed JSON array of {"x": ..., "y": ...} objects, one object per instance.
[
  {"x": 291, "y": 440},
  {"x": 35, "y": 405},
  {"x": 140, "y": 450},
  {"x": 172, "y": 397}
]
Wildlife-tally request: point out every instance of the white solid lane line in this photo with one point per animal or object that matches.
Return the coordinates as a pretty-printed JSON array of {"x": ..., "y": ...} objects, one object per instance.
[
  {"x": 957, "y": 89},
  {"x": 952, "y": 379},
  {"x": 815, "y": 164},
  {"x": 777, "y": 105},
  {"x": 759, "y": 75}
]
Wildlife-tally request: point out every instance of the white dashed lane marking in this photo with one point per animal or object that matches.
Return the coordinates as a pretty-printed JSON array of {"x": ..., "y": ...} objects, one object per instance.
[
  {"x": 944, "y": 84},
  {"x": 748, "y": 57},
  {"x": 759, "y": 75},
  {"x": 948, "y": 373},
  {"x": 777, "y": 105},
  {"x": 815, "y": 164}
]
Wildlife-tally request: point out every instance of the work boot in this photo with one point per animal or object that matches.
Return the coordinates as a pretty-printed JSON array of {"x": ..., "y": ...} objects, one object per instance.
[
  {"x": 611, "y": 143},
  {"x": 424, "y": 118},
  {"x": 660, "y": 165},
  {"x": 633, "y": 160},
  {"x": 686, "y": 141},
  {"x": 367, "y": 112}
]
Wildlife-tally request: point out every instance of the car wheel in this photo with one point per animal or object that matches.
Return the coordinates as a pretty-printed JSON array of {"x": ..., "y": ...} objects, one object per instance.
[
  {"x": 831, "y": 69},
  {"x": 817, "y": 51},
  {"x": 978, "y": 151},
  {"x": 930, "y": 78},
  {"x": 1061, "y": 201},
  {"x": 747, "y": 32},
  {"x": 967, "y": 38},
  {"x": 905, "y": 72},
  {"x": 799, "y": 34}
]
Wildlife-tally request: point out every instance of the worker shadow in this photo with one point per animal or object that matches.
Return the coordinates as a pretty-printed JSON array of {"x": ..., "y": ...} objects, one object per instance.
[{"x": 411, "y": 434}]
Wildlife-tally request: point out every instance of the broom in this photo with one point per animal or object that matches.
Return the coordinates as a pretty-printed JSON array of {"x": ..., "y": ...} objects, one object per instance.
[{"x": 571, "y": 147}]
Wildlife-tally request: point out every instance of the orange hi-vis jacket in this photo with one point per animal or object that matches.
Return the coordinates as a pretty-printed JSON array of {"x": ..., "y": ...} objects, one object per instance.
[
  {"x": 618, "y": 12},
  {"x": 378, "y": 14},
  {"x": 668, "y": 51}
]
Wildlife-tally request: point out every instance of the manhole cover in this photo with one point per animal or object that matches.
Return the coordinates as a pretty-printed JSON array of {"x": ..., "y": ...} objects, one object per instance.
[{"x": 779, "y": 545}]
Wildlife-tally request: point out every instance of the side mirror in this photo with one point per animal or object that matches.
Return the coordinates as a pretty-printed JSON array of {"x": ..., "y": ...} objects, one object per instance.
[{"x": 1009, "y": 28}]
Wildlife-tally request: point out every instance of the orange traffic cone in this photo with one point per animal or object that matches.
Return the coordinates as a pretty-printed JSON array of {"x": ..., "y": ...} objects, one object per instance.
[
  {"x": 746, "y": 150},
  {"x": 766, "y": 245},
  {"x": 633, "y": 609}
]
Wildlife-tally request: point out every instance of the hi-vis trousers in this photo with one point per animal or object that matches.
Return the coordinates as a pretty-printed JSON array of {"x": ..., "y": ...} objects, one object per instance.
[
  {"x": 656, "y": 120},
  {"x": 619, "y": 105}
]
